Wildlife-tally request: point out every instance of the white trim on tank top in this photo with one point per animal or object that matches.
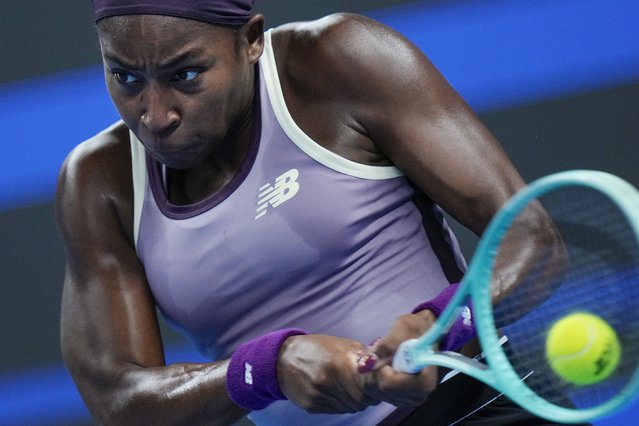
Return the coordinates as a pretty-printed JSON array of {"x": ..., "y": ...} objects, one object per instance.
[
  {"x": 301, "y": 139},
  {"x": 138, "y": 168}
]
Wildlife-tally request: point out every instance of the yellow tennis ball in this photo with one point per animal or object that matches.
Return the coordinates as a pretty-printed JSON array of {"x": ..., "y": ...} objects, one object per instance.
[{"x": 582, "y": 348}]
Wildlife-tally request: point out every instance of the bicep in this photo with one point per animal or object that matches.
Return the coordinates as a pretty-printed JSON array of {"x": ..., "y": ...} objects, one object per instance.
[{"x": 108, "y": 320}]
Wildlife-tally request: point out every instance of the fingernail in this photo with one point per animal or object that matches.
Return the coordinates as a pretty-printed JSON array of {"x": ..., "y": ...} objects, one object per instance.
[
  {"x": 375, "y": 342},
  {"x": 366, "y": 363}
]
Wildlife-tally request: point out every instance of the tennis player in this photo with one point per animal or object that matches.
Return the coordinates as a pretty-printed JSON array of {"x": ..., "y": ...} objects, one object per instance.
[{"x": 278, "y": 197}]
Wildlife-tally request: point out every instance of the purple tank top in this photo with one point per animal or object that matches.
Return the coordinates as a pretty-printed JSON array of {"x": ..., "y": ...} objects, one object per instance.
[{"x": 299, "y": 238}]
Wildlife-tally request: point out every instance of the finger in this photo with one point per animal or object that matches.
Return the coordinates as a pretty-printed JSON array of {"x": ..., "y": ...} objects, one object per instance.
[
  {"x": 342, "y": 390},
  {"x": 339, "y": 402},
  {"x": 393, "y": 380},
  {"x": 331, "y": 407},
  {"x": 400, "y": 388},
  {"x": 366, "y": 362},
  {"x": 369, "y": 359},
  {"x": 353, "y": 383},
  {"x": 387, "y": 346},
  {"x": 327, "y": 399},
  {"x": 356, "y": 403},
  {"x": 328, "y": 407},
  {"x": 384, "y": 349}
]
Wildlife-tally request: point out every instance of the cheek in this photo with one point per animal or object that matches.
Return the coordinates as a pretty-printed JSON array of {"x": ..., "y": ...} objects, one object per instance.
[
  {"x": 214, "y": 107},
  {"x": 128, "y": 114},
  {"x": 125, "y": 105}
]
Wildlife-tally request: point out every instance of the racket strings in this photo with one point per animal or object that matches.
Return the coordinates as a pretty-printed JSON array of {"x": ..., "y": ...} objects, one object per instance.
[{"x": 583, "y": 256}]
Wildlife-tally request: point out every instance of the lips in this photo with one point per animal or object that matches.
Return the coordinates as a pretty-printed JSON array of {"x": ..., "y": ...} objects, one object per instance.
[{"x": 173, "y": 153}]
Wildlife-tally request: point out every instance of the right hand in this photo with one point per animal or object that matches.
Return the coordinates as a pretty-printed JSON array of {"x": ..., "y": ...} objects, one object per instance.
[
  {"x": 319, "y": 373},
  {"x": 384, "y": 383}
]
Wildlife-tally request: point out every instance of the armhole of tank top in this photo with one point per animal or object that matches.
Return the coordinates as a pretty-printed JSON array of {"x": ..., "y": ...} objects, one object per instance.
[
  {"x": 301, "y": 139},
  {"x": 138, "y": 169}
]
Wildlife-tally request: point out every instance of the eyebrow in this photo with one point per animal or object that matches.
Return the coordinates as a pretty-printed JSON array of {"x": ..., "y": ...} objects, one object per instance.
[{"x": 170, "y": 63}]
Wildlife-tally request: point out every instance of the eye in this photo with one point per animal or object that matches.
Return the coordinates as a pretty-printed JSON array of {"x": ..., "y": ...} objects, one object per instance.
[
  {"x": 125, "y": 77},
  {"x": 186, "y": 75}
]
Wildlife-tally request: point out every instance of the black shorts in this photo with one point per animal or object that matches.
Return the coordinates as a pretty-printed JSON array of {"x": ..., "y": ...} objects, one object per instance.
[{"x": 463, "y": 401}]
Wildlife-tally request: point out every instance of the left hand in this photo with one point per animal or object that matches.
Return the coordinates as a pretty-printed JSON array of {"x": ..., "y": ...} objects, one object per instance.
[{"x": 318, "y": 373}]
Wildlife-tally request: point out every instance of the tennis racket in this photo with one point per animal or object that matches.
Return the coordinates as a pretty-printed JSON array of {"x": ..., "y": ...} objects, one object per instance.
[{"x": 581, "y": 255}]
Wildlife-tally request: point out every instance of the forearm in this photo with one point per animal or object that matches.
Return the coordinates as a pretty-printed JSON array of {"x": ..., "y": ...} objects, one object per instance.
[{"x": 176, "y": 394}]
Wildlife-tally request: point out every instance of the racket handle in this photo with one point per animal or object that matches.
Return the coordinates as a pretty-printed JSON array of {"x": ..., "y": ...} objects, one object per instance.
[{"x": 404, "y": 359}]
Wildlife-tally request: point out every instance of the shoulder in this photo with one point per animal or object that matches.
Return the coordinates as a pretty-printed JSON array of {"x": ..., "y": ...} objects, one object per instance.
[
  {"x": 99, "y": 158},
  {"x": 96, "y": 174},
  {"x": 353, "y": 61},
  {"x": 344, "y": 46},
  {"x": 339, "y": 34}
]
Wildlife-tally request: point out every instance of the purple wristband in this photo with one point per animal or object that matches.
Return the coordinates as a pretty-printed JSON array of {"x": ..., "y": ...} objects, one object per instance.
[
  {"x": 462, "y": 330},
  {"x": 251, "y": 377}
]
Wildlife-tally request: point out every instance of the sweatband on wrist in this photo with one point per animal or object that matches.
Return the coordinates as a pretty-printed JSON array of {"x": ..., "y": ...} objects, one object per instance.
[
  {"x": 463, "y": 329},
  {"x": 251, "y": 377}
]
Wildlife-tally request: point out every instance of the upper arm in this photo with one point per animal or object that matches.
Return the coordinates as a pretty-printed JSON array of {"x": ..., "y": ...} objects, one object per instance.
[
  {"x": 108, "y": 321},
  {"x": 422, "y": 125},
  {"x": 111, "y": 341}
]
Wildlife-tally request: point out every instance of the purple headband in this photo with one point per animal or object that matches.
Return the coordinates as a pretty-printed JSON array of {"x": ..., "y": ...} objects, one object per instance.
[{"x": 219, "y": 12}]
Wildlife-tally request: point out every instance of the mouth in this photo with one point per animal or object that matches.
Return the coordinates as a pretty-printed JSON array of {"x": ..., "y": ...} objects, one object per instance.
[
  {"x": 167, "y": 144},
  {"x": 174, "y": 153}
]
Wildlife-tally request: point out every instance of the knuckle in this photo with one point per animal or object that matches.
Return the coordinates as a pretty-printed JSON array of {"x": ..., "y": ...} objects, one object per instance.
[
  {"x": 311, "y": 403},
  {"x": 384, "y": 387},
  {"x": 366, "y": 401},
  {"x": 322, "y": 381},
  {"x": 429, "y": 381},
  {"x": 405, "y": 319}
]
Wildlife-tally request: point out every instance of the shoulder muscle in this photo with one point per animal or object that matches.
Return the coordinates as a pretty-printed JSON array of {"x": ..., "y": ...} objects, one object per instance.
[{"x": 95, "y": 180}]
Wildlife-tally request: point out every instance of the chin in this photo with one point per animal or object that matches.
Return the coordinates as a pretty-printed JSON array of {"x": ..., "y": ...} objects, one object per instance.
[
  {"x": 174, "y": 160},
  {"x": 180, "y": 158},
  {"x": 179, "y": 163}
]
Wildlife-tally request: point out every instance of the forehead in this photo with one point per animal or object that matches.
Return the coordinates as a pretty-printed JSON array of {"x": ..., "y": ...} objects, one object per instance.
[{"x": 145, "y": 33}]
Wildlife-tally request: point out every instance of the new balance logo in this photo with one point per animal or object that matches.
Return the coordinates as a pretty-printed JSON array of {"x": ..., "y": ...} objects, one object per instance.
[
  {"x": 467, "y": 316},
  {"x": 284, "y": 189},
  {"x": 248, "y": 373}
]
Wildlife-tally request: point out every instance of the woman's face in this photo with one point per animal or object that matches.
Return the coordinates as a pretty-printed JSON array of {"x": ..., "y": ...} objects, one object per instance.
[{"x": 180, "y": 85}]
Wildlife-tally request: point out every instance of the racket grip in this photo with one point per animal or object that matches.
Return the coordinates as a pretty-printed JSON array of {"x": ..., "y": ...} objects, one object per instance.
[{"x": 404, "y": 359}]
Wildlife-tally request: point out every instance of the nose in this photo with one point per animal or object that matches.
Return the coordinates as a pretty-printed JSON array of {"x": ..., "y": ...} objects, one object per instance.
[{"x": 159, "y": 113}]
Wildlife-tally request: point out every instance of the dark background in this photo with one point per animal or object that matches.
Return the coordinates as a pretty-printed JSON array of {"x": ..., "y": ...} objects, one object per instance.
[{"x": 595, "y": 128}]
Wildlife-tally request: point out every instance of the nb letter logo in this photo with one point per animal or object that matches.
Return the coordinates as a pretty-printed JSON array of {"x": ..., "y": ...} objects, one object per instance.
[
  {"x": 284, "y": 189},
  {"x": 467, "y": 316},
  {"x": 248, "y": 373}
]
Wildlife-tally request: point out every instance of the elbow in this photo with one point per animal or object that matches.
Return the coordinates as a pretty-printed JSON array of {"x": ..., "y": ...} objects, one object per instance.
[
  {"x": 107, "y": 396},
  {"x": 122, "y": 411},
  {"x": 117, "y": 406}
]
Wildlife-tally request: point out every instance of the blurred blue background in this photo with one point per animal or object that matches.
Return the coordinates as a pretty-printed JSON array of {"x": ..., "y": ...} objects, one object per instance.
[{"x": 556, "y": 81}]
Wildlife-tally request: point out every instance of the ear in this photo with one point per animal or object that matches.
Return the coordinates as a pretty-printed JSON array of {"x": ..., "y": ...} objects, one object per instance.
[{"x": 253, "y": 32}]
